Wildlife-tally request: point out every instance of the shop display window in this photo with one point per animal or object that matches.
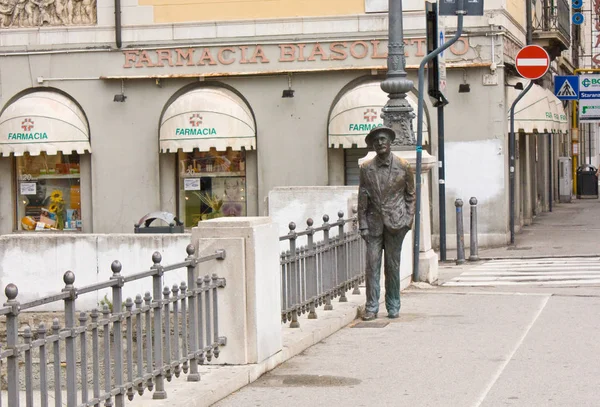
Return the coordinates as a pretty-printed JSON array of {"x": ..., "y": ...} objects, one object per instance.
[
  {"x": 48, "y": 192},
  {"x": 211, "y": 185}
]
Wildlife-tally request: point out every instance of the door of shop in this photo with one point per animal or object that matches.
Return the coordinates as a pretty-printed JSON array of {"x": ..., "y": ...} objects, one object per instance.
[{"x": 352, "y": 170}]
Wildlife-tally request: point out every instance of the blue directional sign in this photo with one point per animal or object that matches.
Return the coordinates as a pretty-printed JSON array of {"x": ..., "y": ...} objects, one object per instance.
[{"x": 566, "y": 87}]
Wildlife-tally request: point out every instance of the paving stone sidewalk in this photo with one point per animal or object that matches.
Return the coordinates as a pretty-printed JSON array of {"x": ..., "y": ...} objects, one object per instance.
[{"x": 571, "y": 229}]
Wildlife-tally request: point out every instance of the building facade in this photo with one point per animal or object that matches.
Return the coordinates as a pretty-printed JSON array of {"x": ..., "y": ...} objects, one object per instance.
[{"x": 201, "y": 108}]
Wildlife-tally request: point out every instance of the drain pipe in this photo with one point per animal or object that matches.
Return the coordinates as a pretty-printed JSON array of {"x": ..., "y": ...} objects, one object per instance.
[
  {"x": 118, "y": 23},
  {"x": 529, "y": 16}
]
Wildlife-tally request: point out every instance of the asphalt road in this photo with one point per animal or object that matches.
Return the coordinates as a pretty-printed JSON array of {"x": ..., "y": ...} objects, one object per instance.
[{"x": 452, "y": 346}]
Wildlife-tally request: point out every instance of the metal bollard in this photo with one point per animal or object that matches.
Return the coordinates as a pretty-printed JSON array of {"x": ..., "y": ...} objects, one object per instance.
[
  {"x": 474, "y": 249},
  {"x": 460, "y": 235}
]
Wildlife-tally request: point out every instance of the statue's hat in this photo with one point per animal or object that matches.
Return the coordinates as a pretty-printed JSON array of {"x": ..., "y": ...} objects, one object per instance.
[{"x": 388, "y": 131}]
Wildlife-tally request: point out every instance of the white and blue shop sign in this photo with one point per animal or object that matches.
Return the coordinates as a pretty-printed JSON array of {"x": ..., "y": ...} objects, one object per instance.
[{"x": 589, "y": 98}]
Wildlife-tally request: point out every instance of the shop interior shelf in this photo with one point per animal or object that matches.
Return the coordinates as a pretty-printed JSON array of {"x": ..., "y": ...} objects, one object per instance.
[{"x": 54, "y": 176}]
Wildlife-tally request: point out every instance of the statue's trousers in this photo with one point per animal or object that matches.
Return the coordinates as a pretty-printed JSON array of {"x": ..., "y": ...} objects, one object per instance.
[{"x": 391, "y": 245}]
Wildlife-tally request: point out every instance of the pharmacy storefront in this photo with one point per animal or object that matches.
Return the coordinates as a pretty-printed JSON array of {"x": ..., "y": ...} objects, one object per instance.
[
  {"x": 200, "y": 132},
  {"x": 210, "y": 129},
  {"x": 47, "y": 134}
]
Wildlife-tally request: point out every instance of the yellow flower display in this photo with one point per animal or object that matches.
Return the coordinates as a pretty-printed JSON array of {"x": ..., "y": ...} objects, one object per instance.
[
  {"x": 214, "y": 204},
  {"x": 56, "y": 196},
  {"x": 57, "y": 206}
]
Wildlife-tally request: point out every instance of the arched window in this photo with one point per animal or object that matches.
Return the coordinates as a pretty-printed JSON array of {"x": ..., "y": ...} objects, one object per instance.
[
  {"x": 47, "y": 132},
  {"x": 211, "y": 129}
]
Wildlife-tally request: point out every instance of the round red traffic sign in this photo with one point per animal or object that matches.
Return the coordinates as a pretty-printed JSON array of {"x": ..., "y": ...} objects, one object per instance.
[{"x": 532, "y": 62}]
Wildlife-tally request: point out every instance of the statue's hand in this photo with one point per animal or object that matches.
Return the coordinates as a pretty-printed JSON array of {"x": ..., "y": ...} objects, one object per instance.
[{"x": 364, "y": 233}]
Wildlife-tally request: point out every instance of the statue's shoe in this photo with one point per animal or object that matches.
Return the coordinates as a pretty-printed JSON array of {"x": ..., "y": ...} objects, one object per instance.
[
  {"x": 394, "y": 315},
  {"x": 369, "y": 316}
]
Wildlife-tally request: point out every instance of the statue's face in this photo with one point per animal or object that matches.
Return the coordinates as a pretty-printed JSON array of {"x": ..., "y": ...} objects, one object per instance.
[{"x": 382, "y": 143}]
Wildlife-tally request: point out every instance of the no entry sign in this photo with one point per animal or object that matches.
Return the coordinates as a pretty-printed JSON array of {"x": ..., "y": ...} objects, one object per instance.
[{"x": 532, "y": 62}]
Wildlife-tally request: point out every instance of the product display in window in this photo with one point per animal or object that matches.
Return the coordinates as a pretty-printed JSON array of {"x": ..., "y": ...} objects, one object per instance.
[
  {"x": 212, "y": 185},
  {"x": 49, "y": 196}
]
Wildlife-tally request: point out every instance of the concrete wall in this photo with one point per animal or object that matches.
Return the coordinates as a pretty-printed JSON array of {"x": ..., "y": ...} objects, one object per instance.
[
  {"x": 298, "y": 204},
  {"x": 37, "y": 263}
]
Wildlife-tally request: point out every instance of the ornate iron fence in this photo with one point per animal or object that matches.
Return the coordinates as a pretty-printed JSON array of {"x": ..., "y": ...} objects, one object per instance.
[
  {"x": 315, "y": 273},
  {"x": 551, "y": 15},
  {"x": 124, "y": 348}
]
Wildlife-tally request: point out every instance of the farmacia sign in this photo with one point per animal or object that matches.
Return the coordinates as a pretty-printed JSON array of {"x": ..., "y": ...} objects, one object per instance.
[{"x": 27, "y": 125}]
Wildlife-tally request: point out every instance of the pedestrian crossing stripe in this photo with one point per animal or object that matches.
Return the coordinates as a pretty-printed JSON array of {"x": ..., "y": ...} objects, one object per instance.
[
  {"x": 533, "y": 272},
  {"x": 566, "y": 90}
]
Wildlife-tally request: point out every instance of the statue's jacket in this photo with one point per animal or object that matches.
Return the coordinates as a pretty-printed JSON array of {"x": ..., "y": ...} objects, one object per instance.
[{"x": 386, "y": 201}]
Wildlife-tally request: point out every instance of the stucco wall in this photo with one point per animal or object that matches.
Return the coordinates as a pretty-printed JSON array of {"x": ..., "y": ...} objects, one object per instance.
[
  {"x": 37, "y": 263},
  {"x": 516, "y": 8},
  {"x": 297, "y": 204},
  {"x": 292, "y": 132},
  {"x": 476, "y": 163},
  {"x": 202, "y": 10}
]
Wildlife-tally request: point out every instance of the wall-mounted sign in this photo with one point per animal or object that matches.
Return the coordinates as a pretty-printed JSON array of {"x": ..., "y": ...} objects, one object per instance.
[
  {"x": 281, "y": 56},
  {"x": 450, "y": 7},
  {"x": 589, "y": 110},
  {"x": 589, "y": 87}
]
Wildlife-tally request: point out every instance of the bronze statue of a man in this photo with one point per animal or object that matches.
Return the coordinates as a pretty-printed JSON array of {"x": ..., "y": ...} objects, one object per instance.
[{"x": 386, "y": 206}]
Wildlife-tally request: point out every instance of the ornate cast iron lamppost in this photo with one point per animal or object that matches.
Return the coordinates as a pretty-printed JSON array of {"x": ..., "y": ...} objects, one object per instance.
[{"x": 397, "y": 113}]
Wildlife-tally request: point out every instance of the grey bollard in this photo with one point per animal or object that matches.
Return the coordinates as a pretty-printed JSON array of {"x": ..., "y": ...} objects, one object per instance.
[
  {"x": 474, "y": 248},
  {"x": 460, "y": 233}
]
